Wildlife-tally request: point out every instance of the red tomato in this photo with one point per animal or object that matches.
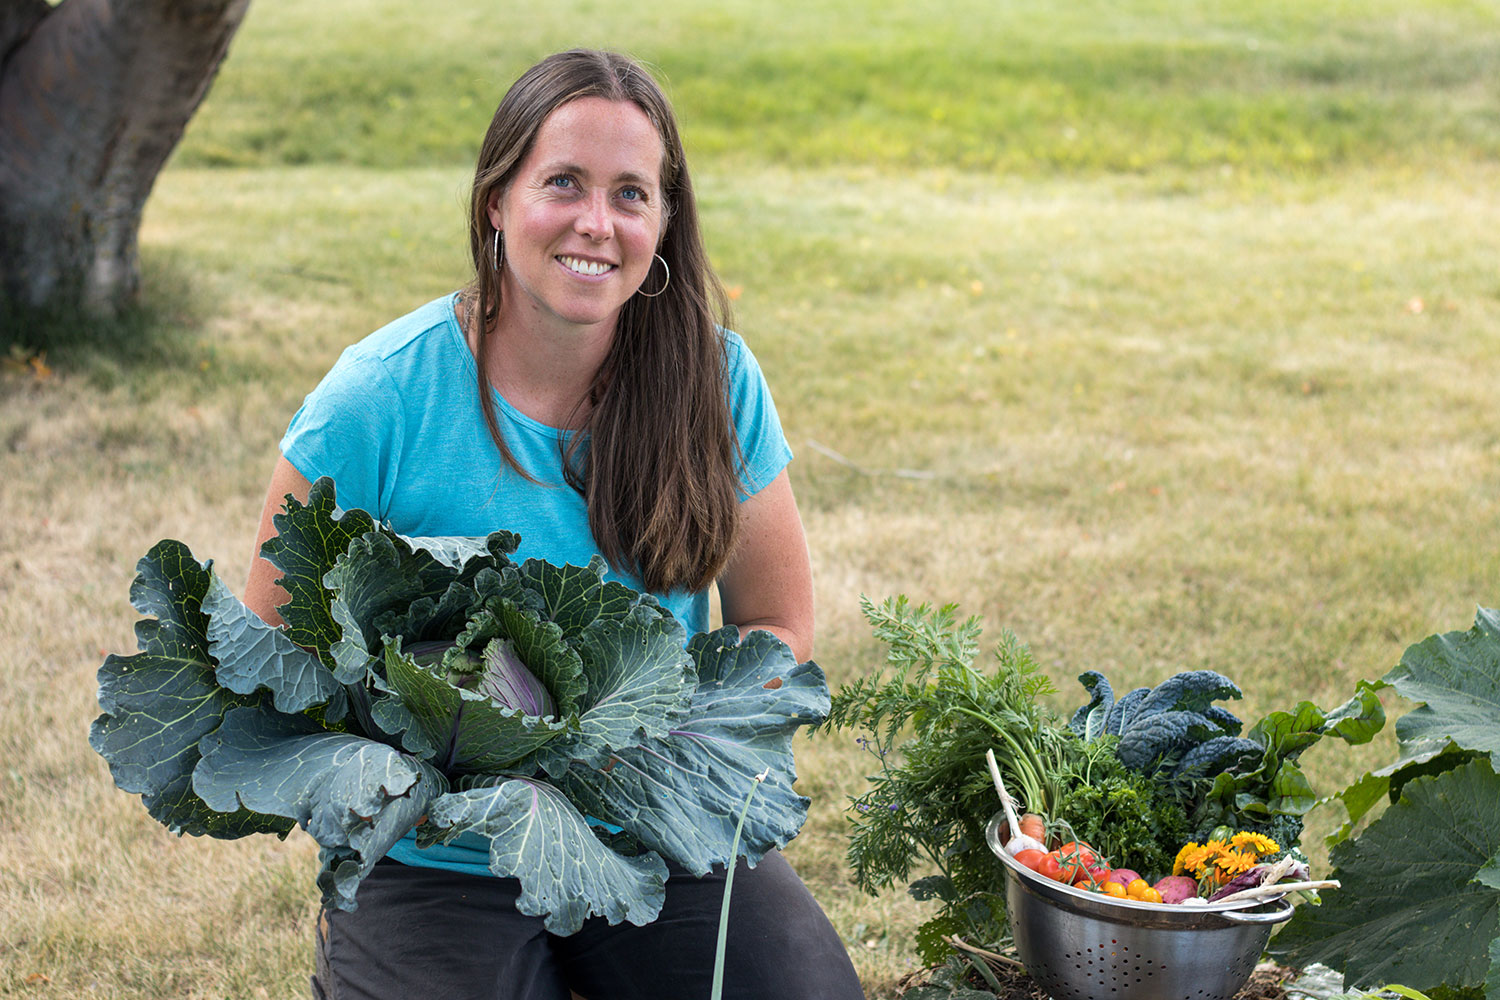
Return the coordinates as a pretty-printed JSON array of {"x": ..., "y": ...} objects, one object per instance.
[
  {"x": 1048, "y": 867},
  {"x": 1030, "y": 859},
  {"x": 1088, "y": 878},
  {"x": 1075, "y": 851},
  {"x": 1077, "y": 860}
]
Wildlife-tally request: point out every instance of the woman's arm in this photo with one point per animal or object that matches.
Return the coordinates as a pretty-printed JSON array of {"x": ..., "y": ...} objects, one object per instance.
[
  {"x": 768, "y": 582},
  {"x": 262, "y": 595}
]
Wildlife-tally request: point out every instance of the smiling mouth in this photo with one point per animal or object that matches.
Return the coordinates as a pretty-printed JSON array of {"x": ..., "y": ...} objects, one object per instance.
[{"x": 588, "y": 267}]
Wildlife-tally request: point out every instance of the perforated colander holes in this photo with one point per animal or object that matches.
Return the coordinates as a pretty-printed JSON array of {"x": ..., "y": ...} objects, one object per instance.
[{"x": 1120, "y": 957}]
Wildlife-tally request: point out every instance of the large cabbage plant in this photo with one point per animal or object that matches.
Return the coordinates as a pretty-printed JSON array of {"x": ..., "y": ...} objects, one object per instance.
[{"x": 435, "y": 685}]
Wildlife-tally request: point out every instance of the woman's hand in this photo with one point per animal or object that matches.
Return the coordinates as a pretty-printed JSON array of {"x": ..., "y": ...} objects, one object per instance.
[
  {"x": 262, "y": 595},
  {"x": 768, "y": 582}
]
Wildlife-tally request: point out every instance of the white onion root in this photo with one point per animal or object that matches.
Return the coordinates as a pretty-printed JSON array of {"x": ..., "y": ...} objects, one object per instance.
[{"x": 1018, "y": 841}]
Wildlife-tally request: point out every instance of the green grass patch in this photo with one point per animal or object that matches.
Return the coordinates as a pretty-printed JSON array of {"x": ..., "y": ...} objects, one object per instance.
[
  {"x": 154, "y": 333},
  {"x": 1018, "y": 87}
]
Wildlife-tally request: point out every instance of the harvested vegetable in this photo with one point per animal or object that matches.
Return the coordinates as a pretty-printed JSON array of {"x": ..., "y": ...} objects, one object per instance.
[
  {"x": 1126, "y": 815},
  {"x": 1032, "y": 838},
  {"x": 928, "y": 716},
  {"x": 1263, "y": 874},
  {"x": 1030, "y": 859},
  {"x": 1123, "y": 876},
  {"x": 1176, "y": 888},
  {"x": 1193, "y": 748},
  {"x": 572, "y": 696}
]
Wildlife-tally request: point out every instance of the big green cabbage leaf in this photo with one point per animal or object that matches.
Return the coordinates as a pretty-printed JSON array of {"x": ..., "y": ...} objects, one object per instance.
[{"x": 227, "y": 726}]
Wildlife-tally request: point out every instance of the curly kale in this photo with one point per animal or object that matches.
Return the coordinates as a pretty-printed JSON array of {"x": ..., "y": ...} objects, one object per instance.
[
  {"x": 1191, "y": 749},
  {"x": 1158, "y": 727}
]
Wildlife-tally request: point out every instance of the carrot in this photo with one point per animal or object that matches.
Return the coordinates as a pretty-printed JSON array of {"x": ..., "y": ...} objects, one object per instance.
[{"x": 1033, "y": 826}]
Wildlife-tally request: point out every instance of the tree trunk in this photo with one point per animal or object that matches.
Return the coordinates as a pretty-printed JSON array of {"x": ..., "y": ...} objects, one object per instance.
[{"x": 94, "y": 94}]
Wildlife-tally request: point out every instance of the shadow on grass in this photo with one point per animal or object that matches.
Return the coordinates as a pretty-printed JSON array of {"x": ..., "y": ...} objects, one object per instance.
[{"x": 160, "y": 334}]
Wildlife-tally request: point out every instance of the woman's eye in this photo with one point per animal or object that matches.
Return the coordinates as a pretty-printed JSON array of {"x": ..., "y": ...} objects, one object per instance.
[
  {"x": 561, "y": 181},
  {"x": 633, "y": 194}
]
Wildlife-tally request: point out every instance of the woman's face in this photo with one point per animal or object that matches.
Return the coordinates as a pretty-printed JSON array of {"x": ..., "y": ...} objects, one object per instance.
[{"x": 582, "y": 217}]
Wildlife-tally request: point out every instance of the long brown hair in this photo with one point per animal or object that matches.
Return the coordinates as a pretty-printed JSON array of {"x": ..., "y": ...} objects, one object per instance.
[{"x": 656, "y": 457}]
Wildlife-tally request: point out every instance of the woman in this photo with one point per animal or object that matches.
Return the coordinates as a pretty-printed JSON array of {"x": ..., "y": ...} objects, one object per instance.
[{"x": 582, "y": 393}]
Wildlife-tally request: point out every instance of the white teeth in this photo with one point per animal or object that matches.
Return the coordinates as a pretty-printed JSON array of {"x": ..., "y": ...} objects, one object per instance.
[{"x": 584, "y": 266}]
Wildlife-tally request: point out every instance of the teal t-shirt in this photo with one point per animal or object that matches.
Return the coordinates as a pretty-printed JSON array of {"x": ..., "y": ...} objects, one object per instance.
[{"x": 396, "y": 424}]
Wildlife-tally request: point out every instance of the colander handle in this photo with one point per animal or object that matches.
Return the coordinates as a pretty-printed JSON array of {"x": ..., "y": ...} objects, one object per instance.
[{"x": 1274, "y": 917}]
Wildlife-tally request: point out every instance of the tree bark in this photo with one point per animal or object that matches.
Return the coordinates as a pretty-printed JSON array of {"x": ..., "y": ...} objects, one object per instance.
[{"x": 94, "y": 95}]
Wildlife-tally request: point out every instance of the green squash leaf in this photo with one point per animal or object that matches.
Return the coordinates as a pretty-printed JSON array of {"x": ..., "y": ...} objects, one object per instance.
[
  {"x": 682, "y": 795},
  {"x": 539, "y": 838},
  {"x": 1412, "y": 908},
  {"x": 1492, "y": 980},
  {"x": 1358, "y": 799},
  {"x": 160, "y": 702},
  {"x": 354, "y": 796},
  {"x": 1457, "y": 676},
  {"x": 1490, "y": 874}
]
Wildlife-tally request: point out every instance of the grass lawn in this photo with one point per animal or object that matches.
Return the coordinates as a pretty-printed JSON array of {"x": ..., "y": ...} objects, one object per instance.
[{"x": 1166, "y": 339}]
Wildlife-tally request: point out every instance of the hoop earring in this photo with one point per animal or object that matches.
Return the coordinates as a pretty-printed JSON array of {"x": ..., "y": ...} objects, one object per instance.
[
  {"x": 499, "y": 249},
  {"x": 664, "y": 284}
]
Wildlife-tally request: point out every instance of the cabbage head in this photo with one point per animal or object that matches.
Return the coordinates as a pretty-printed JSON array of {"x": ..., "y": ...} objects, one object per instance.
[{"x": 436, "y": 686}]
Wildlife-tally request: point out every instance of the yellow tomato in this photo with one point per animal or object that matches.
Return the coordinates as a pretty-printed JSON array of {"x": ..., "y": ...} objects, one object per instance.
[
  {"x": 1150, "y": 895},
  {"x": 1114, "y": 889},
  {"x": 1136, "y": 887}
]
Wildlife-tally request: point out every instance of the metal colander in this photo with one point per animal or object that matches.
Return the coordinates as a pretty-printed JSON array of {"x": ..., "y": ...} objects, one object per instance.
[{"x": 1085, "y": 946}]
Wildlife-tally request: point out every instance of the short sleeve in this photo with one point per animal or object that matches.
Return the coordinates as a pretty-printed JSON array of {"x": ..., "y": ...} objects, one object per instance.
[
  {"x": 349, "y": 428},
  {"x": 763, "y": 445}
]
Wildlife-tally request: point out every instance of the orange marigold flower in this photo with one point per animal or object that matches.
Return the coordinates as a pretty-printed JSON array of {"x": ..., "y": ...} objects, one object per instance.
[
  {"x": 1231, "y": 863},
  {"x": 1192, "y": 858},
  {"x": 1259, "y": 843}
]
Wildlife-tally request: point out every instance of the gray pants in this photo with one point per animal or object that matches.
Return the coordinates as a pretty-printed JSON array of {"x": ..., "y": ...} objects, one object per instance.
[{"x": 439, "y": 935}]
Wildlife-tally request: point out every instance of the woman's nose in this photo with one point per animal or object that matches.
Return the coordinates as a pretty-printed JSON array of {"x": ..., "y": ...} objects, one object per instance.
[{"x": 593, "y": 217}]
